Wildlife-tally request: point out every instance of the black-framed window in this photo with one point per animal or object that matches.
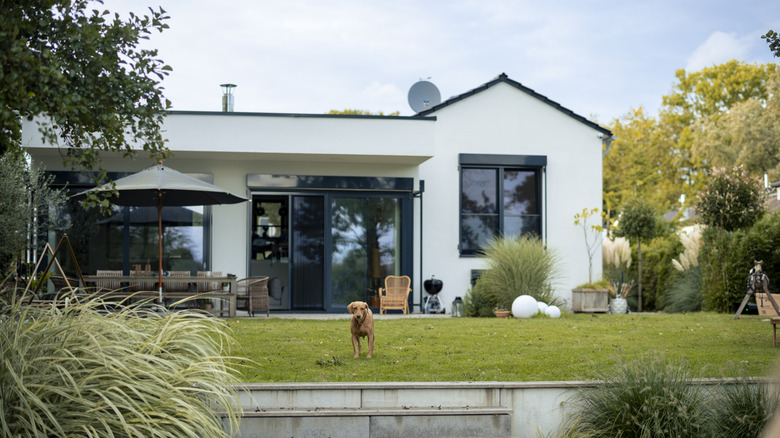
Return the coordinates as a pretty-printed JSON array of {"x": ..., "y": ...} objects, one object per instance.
[{"x": 499, "y": 195}]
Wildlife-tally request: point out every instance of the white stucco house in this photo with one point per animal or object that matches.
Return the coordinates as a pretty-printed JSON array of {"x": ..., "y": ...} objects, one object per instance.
[{"x": 338, "y": 201}]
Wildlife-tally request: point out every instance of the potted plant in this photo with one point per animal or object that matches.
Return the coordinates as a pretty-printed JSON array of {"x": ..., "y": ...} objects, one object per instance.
[
  {"x": 502, "y": 313},
  {"x": 206, "y": 305},
  {"x": 591, "y": 296}
]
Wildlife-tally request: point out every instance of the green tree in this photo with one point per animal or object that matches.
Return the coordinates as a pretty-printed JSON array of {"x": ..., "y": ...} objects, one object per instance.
[
  {"x": 748, "y": 134},
  {"x": 773, "y": 40},
  {"x": 707, "y": 94},
  {"x": 640, "y": 158},
  {"x": 637, "y": 221},
  {"x": 357, "y": 112},
  {"x": 731, "y": 200},
  {"x": 84, "y": 78},
  {"x": 27, "y": 208}
]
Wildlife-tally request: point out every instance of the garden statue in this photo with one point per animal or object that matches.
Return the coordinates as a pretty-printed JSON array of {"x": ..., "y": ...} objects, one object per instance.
[{"x": 757, "y": 279}]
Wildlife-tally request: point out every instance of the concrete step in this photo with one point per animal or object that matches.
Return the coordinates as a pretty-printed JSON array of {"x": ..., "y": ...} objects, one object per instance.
[{"x": 378, "y": 423}]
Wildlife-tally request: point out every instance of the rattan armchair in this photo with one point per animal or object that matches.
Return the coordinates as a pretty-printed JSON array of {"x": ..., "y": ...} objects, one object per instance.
[
  {"x": 395, "y": 294},
  {"x": 252, "y": 295}
]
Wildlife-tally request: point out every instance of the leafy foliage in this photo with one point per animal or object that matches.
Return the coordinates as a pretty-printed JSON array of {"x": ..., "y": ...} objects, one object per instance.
[
  {"x": 725, "y": 265},
  {"x": 82, "y": 74},
  {"x": 646, "y": 397},
  {"x": 519, "y": 266},
  {"x": 658, "y": 272},
  {"x": 71, "y": 370},
  {"x": 684, "y": 294},
  {"x": 27, "y": 208},
  {"x": 581, "y": 220},
  {"x": 731, "y": 200},
  {"x": 773, "y": 40}
]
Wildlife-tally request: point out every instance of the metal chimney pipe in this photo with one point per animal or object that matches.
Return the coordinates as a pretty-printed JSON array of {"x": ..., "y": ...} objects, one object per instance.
[{"x": 227, "y": 97}]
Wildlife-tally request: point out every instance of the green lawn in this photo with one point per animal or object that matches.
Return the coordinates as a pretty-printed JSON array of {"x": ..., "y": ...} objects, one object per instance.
[{"x": 573, "y": 347}]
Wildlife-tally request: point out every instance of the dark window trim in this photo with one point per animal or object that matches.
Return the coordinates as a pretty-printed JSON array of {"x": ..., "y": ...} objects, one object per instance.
[
  {"x": 502, "y": 160},
  {"x": 537, "y": 163},
  {"x": 329, "y": 183}
]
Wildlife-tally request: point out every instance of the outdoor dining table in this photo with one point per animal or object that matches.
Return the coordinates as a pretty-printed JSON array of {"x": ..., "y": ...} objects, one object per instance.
[{"x": 193, "y": 281}]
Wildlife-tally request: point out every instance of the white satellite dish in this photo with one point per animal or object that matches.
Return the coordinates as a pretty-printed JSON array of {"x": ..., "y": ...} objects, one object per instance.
[{"x": 423, "y": 95}]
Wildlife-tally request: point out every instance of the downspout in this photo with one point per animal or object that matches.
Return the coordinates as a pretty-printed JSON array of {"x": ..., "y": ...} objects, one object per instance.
[
  {"x": 419, "y": 194},
  {"x": 607, "y": 140}
]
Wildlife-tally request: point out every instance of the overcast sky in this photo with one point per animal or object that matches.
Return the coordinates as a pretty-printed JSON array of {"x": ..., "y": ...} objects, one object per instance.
[{"x": 598, "y": 58}]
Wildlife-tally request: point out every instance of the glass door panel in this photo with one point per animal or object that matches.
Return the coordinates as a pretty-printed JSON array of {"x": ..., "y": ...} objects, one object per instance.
[
  {"x": 308, "y": 250},
  {"x": 366, "y": 247}
]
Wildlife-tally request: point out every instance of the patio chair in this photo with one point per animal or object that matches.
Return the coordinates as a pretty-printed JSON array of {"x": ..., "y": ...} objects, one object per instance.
[
  {"x": 142, "y": 286},
  {"x": 108, "y": 285},
  {"x": 252, "y": 295},
  {"x": 177, "y": 286},
  {"x": 64, "y": 284},
  {"x": 395, "y": 294},
  {"x": 211, "y": 286}
]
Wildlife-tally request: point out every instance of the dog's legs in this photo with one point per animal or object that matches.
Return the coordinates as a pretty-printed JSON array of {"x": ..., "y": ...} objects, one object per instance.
[
  {"x": 356, "y": 346},
  {"x": 370, "y": 345}
]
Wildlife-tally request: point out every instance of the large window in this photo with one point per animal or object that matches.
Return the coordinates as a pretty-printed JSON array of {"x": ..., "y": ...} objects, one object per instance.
[{"x": 500, "y": 195}]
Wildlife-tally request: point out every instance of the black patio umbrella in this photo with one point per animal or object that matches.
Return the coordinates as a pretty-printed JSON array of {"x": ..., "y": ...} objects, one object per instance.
[{"x": 160, "y": 186}]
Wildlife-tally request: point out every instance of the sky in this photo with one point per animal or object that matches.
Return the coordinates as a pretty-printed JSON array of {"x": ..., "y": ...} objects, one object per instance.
[{"x": 600, "y": 59}]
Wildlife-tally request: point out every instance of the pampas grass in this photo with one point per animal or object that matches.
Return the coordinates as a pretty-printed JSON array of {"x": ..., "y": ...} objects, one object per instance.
[
  {"x": 71, "y": 369},
  {"x": 519, "y": 266}
]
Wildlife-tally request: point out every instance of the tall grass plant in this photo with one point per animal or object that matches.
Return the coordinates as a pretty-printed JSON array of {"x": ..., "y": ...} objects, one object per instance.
[
  {"x": 71, "y": 369},
  {"x": 519, "y": 266}
]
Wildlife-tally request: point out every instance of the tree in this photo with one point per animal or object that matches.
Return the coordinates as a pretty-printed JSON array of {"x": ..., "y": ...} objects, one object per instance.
[
  {"x": 83, "y": 77},
  {"x": 707, "y": 94},
  {"x": 731, "y": 200},
  {"x": 773, "y": 40},
  {"x": 357, "y": 112},
  {"x": 27, "y": 208},
  {"x": 640, "y": 157},
  {"x": 637, "y": 220},
  {"x": 748, "y": 134}
]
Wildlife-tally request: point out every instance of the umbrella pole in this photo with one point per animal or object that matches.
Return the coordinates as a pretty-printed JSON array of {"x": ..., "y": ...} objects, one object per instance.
[{"x": 159, "y": 246}]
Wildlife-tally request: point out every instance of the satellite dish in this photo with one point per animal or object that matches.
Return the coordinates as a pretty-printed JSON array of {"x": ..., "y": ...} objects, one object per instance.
[{"x": 423, "y": 95}]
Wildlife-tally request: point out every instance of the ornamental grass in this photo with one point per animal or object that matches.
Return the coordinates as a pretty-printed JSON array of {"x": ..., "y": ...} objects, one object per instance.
[{"x": 88, "y": 368}]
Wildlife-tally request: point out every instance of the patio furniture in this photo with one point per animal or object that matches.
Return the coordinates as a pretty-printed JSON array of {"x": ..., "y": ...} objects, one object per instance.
[
  {"x": 108, "y": 285},
  {"x": 774, "y": 320},
  {"x": 252, "y": 295},
  {"x": 211, "y": 286},
  {"x": 141, "y": 286},
  {"x": 395, "y": 294},
  {"x": 178, "y": 286},
  {"x": 64, "y": 284},
  {"x": 225, "y": 295}
]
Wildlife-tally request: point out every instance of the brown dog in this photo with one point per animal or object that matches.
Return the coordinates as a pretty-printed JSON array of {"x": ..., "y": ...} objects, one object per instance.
[{"x": 362, "y": 325}]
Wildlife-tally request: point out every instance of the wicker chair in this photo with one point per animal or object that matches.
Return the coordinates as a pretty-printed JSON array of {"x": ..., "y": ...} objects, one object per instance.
[
  {"x": 252, "y": 295},
  {"x": 395, "y": 294}
]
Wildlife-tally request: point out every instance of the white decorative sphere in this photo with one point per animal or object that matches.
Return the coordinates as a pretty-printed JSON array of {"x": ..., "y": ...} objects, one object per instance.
[
  {"x": 542, "y": 307},
  {"x": 553, "y": 311},
  {"x": 524, "y": 306}
]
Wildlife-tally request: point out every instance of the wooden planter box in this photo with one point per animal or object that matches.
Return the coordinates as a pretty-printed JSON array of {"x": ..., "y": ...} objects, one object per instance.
[{"x": 589, "y": 300}]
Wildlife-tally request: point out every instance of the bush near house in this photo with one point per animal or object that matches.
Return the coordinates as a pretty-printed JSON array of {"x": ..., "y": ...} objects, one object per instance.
[{"x": 658, "y": 273}]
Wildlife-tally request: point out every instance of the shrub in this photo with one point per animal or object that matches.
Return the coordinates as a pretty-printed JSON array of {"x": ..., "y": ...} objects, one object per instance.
[
  {"x": 519, "y": 266},
  {"x": 742, "y": 409},
  {"x": 731, "y": 200},
  {"x": 725, "y": 264},
  {"x": 475, "y": 303},
  {"x": 684, "y": 294},
  {"x": 70, "y": 370},
  {"x": 647, "y": 397}
]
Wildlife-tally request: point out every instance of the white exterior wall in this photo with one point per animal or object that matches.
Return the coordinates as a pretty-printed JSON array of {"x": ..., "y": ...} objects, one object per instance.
[
  {"x": 498, "y": 120},
  {"x": 504, "y": 120}
]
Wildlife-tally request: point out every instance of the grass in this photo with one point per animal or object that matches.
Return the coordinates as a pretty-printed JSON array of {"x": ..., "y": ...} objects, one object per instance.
[{"x": 573, "y": 347}]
